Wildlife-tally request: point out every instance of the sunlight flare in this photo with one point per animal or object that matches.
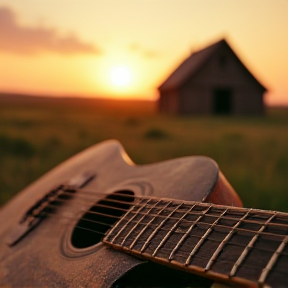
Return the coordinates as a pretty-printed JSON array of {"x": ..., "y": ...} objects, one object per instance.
[{"x": 120, "y": 76}]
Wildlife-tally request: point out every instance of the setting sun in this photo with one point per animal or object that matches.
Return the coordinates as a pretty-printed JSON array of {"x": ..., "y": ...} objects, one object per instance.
[
  {"x": 120, "y": 76},
  {"x": 128, "y": 56}
]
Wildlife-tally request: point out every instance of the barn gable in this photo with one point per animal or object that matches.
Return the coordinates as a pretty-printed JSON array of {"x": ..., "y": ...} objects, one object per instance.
[{"x": 212, "y": 81}]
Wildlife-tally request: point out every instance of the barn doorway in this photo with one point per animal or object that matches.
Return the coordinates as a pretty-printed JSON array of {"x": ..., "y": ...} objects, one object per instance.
[{"x": 222, "y": 101}]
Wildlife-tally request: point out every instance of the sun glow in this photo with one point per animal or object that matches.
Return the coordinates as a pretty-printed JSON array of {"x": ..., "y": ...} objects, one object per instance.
[{"x": 120, "y": 76}]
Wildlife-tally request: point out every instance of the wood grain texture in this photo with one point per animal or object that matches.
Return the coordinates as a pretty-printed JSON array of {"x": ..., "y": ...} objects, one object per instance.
[
  {"x": 221, "y": 242},
  {"x": 45, "y": 257}
]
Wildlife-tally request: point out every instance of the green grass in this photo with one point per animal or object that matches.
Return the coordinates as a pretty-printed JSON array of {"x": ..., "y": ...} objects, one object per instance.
[{"x": 38, "y": 133}]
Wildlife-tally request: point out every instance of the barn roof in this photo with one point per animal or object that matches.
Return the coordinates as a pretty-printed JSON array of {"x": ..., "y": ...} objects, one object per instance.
[{"x": 192, "y": 64}]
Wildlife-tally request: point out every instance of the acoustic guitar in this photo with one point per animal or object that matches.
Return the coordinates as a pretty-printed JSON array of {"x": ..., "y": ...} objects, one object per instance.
[{"x": 98, "y": 220}]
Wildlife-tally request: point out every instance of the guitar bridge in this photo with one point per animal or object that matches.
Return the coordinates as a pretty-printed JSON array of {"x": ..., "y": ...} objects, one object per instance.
[{"x": 47, "y": 205}]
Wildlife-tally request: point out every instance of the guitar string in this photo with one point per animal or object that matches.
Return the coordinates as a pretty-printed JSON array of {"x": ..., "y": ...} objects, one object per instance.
[
  {"x": 184, "y": 255},
  {"x": 241, "y": 210},
  {"x": 130, "y": 196},
  {"x": 161, "y": 229},
  {"x": 232, "y": 208},
  {"x": 176, "y": 218},
  {"x": 137, "y": 197},
  {"x": 207, "y": 258},
  {"x": 94, "y": 193}
]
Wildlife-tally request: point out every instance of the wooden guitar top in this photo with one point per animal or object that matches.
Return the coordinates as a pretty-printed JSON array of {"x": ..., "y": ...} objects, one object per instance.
[{"x": 40, "y": 244}]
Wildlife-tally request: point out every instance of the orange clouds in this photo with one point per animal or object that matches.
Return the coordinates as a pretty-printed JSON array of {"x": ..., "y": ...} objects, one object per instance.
[{"x": 15, "y": 38}]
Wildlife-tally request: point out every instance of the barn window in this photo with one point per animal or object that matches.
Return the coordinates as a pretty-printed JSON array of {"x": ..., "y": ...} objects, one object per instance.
[{"x": 222, "y": 101}]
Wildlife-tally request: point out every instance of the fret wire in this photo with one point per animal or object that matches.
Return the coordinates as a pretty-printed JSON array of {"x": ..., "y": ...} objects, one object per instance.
[
  {"x": 272, "y": 261},
  {"x": 234, "y": 209},
  {"x": 196, "y": 248},
  {"x": 196, "y": 268},
  {"x": 248, "y": 247},
  {"x": 226, "y": 218},
  {"x": 227, "y": 261},
  {"x": 193, "y": 213},
  {"x": 240, "y": 229},
  {"x": 221, "y": 226},
  {"x": 206, "y": 258},
  {"x": 187, "y": 233},
  {"x": 138, "y": 221},
  {"x": 223, "y": 242},
  {"x": 234, "y": 244},
  {"x": 157, "y": 229},
  {"x": 147, "y": 225},
  {"x": 207, "y": 212},
  {"x": 218, "y": 225},
  {"x": 211, "y": 213},
  {"x": 171, "y": 230},
  {"x": 129, "y": 221},
  {"x": 211, "y": 239},
  {"x": 234, "y": 218},
  {"x": 95, "y": 193}
]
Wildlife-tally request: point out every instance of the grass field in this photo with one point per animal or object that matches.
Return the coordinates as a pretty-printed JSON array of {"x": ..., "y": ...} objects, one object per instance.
[{"x": 38, "y": 133}]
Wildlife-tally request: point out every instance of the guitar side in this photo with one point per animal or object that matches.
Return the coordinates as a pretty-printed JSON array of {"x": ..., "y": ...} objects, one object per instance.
[{"x": 45, "y": 256}]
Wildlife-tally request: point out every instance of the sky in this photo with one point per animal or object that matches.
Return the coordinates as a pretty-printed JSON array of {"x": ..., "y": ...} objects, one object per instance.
[{"x": 127, "y": 48}]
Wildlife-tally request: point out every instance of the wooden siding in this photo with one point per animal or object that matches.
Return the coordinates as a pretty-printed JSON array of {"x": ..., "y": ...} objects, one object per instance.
[{"x": 222, "y": 71}]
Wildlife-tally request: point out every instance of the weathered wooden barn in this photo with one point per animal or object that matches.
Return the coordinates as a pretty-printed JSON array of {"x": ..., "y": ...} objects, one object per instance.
[{"x": 212, "y": 81}]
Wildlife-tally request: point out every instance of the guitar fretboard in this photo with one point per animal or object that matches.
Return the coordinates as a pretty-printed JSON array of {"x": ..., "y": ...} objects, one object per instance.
[{"x": 225, "y": 243}]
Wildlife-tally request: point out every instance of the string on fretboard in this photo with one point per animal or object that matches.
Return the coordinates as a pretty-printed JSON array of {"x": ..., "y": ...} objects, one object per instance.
[{"x": 233, "y": 242}]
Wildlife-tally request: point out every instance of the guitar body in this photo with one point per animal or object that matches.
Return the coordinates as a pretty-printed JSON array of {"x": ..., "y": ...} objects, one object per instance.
[{"x": 47, "y": 257}]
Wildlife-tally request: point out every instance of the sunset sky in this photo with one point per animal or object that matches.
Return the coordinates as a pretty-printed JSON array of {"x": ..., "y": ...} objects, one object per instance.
[{"x": 126, "y": 48}]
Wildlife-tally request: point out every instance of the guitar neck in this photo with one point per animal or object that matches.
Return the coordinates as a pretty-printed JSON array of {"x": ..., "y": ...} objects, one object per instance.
[{"x": 235, "y": 245}]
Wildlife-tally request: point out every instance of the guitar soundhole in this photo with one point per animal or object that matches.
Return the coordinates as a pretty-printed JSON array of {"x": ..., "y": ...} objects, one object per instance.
[{"x": 91, "y": 228}]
